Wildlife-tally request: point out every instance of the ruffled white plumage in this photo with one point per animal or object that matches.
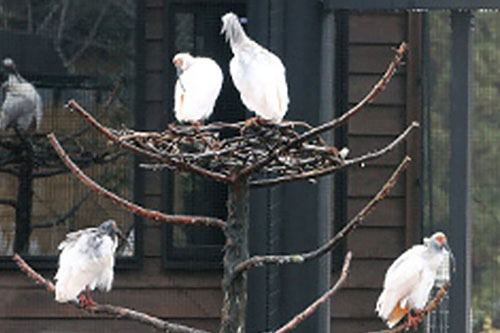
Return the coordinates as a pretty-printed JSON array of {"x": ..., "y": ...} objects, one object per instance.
[
  {"x": 408, "y": 282},
  {"x": 22, "y": 104},
  {"x": 86, "y": 261},
  {"x": 258, "y": 74},
  {"x": 197, "y": 88}
]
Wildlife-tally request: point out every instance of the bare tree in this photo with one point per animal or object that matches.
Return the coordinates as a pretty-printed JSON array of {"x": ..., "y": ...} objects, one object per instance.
[{"x": 262, "y": 155}]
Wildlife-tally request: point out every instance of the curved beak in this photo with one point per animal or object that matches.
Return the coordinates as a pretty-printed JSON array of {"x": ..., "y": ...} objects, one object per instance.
[{"x": 123, "y": 238}]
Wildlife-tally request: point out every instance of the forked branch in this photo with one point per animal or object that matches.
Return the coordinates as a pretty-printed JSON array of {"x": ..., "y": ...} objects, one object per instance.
[
  {"x": 334, "y": 241},
  {"x": 153, "y": 214},
  {"x": 377, "y": 88},
  {"x": 314, "y": 306},
  {"x": 117, "y": 311}
]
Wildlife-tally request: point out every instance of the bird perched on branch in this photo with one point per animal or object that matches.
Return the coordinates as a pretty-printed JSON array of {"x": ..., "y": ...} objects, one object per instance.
[
  {"x": 258, "y": 74},
  {"x": 409, "y": 280},
  {"x": 197, "y": 88},
  {"x": 22, "y": 105},
  {"x": 86, "y": 262}
]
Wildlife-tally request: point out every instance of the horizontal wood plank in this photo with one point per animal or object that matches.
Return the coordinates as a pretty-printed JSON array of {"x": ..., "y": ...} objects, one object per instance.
[
  {"x": 357, "y": 325},
  {"x": 361, "y": 145},
  {"x": 367, "y": 181},
  {"x": 85, "y": 325},
  {"x": 378, "y": 120},
  {"x": 354, "y": 303},
  {"x": 388, "y": 213},
  {"x": 371, "y": 58},
  {"x": 377, "y": 28},
  {"x": 380, "y": 243},
  {"x": 167, "y": 303},
  {"x": 154, "y": 55},
  {"x": 366, "y": 273},
  {"x": 394, "y": 93}
]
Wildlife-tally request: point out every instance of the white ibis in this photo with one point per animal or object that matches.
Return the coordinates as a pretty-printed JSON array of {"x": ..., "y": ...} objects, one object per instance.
[
  {"x": 409, "y": 280},
  {"x": 22, "y": 105},
  {"x": 197, "y": 88},
  {"x": 258, "y": 74},
  {"x": 86, "y": 262}
]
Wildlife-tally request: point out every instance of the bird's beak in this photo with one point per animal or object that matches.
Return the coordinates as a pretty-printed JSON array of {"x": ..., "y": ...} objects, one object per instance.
[
  {"x": 124, "y": 239},
  {"x": 452, "y": 257},
  {"x": 178, "y": 70}
]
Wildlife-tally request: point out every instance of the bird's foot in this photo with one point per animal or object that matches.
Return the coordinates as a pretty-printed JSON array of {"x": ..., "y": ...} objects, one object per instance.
[
  {"x": 413, "y": 321},
  {"x": 86, "y": 301}
]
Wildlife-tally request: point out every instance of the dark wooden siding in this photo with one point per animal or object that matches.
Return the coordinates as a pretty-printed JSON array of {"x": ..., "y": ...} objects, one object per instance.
[{"x": 390, "y": 228}]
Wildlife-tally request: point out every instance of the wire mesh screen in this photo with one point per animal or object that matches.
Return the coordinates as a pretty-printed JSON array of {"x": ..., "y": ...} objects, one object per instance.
[
  {"x": 485, "y": 158},
  {"x": 80, "y": 50},
  {"x": 196, "y": 29},
  {"x": 436, "y": 140},
  {"x": 486, "y": 174}
]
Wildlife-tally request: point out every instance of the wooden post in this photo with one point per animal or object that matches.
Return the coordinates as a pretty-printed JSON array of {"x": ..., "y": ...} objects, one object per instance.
[{"x": 236, "y": 250}]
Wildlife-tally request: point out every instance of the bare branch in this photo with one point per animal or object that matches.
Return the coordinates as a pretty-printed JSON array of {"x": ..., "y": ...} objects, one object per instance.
[
  {"x": 183, "y": 166},
  {"x": 117, "y": 311},
  {"x": 311, "y": 308},
  {"x": 302, "y": 257},
  {"x": 379, "y": 86},
  {"x": 432, "y": 305},
  {"x": 347, "y": 163},
  {"x": 155, "y": 215}
]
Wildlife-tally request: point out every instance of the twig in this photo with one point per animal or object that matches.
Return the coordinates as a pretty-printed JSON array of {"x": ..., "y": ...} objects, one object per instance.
[
  {"x": 311, "y": 308},
  {"x": 63, "y": 217},
  {"x": 118, "y": 311},
  {"x": 73, "y": 105},
  {"x": 8, "y": 202},
  {"x": 155, "y": 215},
  {"x": 379, "y": 86},
  {"x": 432, "y": 305},
  {"x": 300, "y": 258},
  {"x": 335, "y": 168}
]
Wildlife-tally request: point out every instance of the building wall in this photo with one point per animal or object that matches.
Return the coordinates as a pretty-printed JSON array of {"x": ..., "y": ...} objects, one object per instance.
[{"x": 395, "y": 224}]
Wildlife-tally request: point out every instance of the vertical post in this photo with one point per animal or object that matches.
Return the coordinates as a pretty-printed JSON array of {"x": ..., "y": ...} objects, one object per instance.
[
  {"x": 460, "y": 168},
  {"x": 24, "y": 202},
  {"x": 236, "y": 250}
]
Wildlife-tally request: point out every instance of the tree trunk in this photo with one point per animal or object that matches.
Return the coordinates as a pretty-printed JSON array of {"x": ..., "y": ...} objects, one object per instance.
[
  {"x": 24, "y": 201},
  {"x": 236, "y": 250}
]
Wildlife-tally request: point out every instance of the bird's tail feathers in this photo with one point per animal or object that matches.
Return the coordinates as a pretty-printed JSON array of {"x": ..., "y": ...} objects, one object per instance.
[{"x": 390, "y": 309}]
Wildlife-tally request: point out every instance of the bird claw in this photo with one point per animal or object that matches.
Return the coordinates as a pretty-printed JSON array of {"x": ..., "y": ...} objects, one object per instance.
[
  {"x": 86, "y": 302},
  {"x": 413, "y": 321}
]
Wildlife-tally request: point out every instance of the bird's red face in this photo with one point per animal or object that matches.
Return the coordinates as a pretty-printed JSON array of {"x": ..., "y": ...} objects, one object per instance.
[
  {"x": 178, "y": 62},
  {"x": 441, "y": 239}
]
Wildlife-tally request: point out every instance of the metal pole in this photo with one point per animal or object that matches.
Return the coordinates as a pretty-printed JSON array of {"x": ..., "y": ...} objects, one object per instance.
[{"x": 460, "y": 168}]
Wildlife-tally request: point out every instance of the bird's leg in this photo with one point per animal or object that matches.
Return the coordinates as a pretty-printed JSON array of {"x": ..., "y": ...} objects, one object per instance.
[
  {"x": 85, "y": 299},
  {"x": 413, "y": 321}
]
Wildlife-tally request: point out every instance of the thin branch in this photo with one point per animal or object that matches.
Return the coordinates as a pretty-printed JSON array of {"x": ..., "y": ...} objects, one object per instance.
[
  {"x": 117, "y": 311},
  {"x": 73, "y": 105},
  {"x": 432, "y": 305},
  {"x": 312, "y": 308},
  {"x": 379, "y": 86},
  {"x": 155, "y": 215},
  {"x": 256, "y": 261},
  {"x": 329, "y": 170}
]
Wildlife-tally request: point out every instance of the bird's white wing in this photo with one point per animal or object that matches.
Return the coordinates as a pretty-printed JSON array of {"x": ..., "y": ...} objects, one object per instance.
[
  {"x": 259, "y": 76},
  {"x": 402, "y": 277}
]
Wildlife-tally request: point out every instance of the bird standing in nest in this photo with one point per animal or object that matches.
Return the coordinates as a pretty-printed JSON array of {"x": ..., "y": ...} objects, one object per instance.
[
  {"x": 258, "y": 74},
  {"x": 22, "y": 105},
  {"x": 198, "y": 85},
  {"x": 86, "y": 262}
]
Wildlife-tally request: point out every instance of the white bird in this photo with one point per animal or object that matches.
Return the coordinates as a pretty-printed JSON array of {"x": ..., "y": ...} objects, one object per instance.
[
  {"x": 197, "y": 88},
  {"x": 409, "y": 280},
  {"x": 22, "y": 105},
  {"x": 258, "y": 74},
  {"x": 86, "y": 262}
]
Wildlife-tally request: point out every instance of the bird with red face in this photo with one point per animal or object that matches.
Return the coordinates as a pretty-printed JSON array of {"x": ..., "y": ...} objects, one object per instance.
[
  {"x": 199, "y": 81},
  {"x": 409, "y": 280}
]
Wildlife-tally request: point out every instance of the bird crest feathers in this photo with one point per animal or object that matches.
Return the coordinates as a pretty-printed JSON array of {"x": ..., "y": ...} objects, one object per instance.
[{"x": 231, "y": 26}]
